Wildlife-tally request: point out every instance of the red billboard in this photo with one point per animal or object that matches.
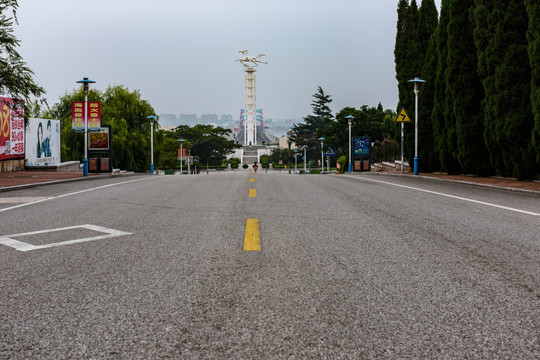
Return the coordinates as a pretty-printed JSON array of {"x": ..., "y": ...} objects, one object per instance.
[
  {"x": 11, "y": 128},
  {"x": 77, "y": 116}
]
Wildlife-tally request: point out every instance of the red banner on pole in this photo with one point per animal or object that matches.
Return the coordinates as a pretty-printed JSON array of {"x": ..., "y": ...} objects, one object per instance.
[{"x": 77, "y": 116}]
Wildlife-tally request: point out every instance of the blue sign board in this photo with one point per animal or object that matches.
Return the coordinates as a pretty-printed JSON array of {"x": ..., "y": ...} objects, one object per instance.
[{"x": 361, "y": 146}]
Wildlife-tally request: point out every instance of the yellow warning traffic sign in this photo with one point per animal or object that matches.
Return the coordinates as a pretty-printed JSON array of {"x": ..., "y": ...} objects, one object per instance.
[{"x": 403, "y": 116}]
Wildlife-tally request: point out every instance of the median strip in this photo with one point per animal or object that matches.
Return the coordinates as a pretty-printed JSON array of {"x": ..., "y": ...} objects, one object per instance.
[{"x": 252, "y": 237}]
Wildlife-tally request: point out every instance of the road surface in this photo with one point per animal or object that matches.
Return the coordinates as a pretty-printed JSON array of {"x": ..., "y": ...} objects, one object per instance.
[{"x": 359, "y": 266}]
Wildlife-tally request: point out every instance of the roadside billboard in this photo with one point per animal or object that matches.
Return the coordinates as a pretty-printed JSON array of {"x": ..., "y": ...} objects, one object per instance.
[
  {"x": 43, "y": 142},
  {"x": 11, "y": 128}
]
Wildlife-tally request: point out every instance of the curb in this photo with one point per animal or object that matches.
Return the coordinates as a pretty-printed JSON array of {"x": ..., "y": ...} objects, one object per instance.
[{"x": 86, "y": 178}]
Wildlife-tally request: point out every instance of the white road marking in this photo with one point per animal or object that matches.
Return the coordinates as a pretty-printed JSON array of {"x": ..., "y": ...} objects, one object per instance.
[
  {"x": 20, "y": 199},
  {"x": 455, "y": 197},
  {"x": 22, "y": 246},
  {"x": 75, "y": 193}
]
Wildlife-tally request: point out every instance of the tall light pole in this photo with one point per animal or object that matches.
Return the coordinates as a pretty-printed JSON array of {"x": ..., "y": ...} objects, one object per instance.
[
  {"x": 305, "y": 158},
  {"x": 321, "y": 139},
  {"x": 289, "y": 141},
  {"x": 295, "y": 160},
  {"x": 417, "y": 81},
  {"x": 350, "y": 119},
  {"x": 85, "y": 83},
  {"x": 152, "y": 119},
  {"x": 181, "y": 141}
]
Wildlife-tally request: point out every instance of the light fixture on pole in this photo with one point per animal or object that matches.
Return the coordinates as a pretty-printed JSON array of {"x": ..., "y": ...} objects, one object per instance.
[
  {"x": 417, "y": 81},
  {"x": 321, "y": 139},
  {"x": 85, "y": 83},
  {"x": 305, "y": 157},
  {"x": 152, "y": 119},
  {"x": 181, "y": 141},
  {"x": 350, "y": 119}
]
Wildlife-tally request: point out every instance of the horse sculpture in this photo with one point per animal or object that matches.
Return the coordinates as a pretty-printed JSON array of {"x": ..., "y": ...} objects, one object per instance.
[{"x": 246, "y": 59}]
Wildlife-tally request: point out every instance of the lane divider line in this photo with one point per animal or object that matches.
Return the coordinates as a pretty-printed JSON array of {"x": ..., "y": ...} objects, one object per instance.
[
  {"x": 252, "y": 237},
  {"x": 251, "y": 180},
  {"x": 252, "y": 192}
]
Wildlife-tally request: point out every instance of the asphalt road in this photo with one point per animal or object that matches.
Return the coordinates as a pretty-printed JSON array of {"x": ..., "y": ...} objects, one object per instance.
[{"x": 360, "y": 266}]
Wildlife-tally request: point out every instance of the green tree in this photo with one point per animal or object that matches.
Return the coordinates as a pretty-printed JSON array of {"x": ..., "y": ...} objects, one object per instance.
[
  {"x": 209, "y": 143},
  {"x": 428, "y": 21},
  {"x": 314, "y": 125},
  {"x": 466, "y": 92},
  {"x": 440, "y": 117},
  {"x": 504, "y": 64},
  {"x": 533, "y": 36},
  {"x": 15, "y": 76},
  {"x": 126, "y": 112}
]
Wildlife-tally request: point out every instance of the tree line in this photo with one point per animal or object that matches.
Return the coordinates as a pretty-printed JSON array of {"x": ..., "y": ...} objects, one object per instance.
[{"x": 479, "y": 110}]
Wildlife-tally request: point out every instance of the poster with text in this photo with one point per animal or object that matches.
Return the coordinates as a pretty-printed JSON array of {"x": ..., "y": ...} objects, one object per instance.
[
  {"x": 43, "y": 142},
  {"x": 99, "y": 140},
  {"x": 11, "y": 128}
]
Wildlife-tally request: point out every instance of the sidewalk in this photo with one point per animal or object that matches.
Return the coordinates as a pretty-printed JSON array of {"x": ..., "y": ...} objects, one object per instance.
[{"x": 16, "y": 179}]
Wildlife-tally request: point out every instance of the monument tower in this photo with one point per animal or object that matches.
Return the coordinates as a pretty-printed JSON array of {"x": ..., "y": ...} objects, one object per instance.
[{"x": 250, "y": 63}]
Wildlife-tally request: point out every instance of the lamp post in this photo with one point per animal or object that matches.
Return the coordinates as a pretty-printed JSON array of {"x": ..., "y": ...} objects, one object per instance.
[
  {"x": 295, "y": 160},
  {"x": 181, "y": 141},
  {"x": 417, "y": 81},
  {"x": 321, "y": 139},
  {"x": 289, "y": 152},
  {"x": 305, "y": 158},
  {"x": 85, "y": 83},
  {"x": 152, "y": 119},
  {"x": 350, "y": 119}
]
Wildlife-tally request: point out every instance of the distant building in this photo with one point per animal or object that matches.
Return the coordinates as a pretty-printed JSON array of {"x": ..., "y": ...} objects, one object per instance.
[
  {"x": 188, "y": 119},
  {"x": 168, "y": 120},
  {"x": 226, "y": 118},
  {"x": 209, "y": 118}
]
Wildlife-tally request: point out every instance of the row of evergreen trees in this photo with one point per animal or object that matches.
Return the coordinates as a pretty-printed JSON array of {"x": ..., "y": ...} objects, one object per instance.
[{"x": 479, "y": 110}]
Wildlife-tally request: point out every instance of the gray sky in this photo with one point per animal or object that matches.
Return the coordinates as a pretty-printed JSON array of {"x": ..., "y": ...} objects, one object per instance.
[{"x": 180, "y": 54}]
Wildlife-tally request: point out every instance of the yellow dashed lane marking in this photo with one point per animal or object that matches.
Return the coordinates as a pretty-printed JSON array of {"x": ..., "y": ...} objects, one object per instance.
[
  {"x": 252, "y": 238},
  {"x": 252, "y": 180},
  {"x": 252, "y": 192}
]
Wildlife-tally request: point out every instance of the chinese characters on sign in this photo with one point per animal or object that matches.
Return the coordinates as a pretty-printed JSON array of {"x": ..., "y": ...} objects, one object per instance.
[
  {"x": 11, "y": 128},
  {"x": 77, "y": 116}
]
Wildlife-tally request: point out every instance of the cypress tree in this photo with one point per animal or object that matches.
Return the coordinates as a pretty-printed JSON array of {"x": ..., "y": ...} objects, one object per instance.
[
  {"x": 440, "y": 116},
  {"x": 503, "y": 60},
  {"x": 408, "y": 60},
  {"x": 533, "y": 36},
  {"x": 466, "y": 93},
  {"x": 428, "y": 20}
]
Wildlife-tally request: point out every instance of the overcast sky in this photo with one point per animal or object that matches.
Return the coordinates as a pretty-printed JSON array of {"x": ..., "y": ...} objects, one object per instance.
[{"x": 180, "y": 53}]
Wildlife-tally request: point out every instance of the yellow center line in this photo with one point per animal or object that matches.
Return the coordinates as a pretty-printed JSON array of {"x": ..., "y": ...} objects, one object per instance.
[
  {"x": 252, "y": 192},
  {"x": 252, "y": 238},
  {"x": 252, "y": 180}
]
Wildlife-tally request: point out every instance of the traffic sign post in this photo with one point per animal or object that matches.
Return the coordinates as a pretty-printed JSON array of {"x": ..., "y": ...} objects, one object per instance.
[{"x": 403, "y": 118}]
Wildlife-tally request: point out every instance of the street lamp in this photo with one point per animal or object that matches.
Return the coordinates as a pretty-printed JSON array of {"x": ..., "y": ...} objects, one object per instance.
[
  {"x": 321, "y": 139},
  {"x": 152, "y": 119},
  {"x": 417, "y": 81},
  {"x": 85, "y": 83},
  {"x": 289, "y": 152},
  {"x": 295, "y": 160},
  {"x": 305, "y": 157},
  {"x": 350, "y": 119},
  {"x": 181, "y": 141}
]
